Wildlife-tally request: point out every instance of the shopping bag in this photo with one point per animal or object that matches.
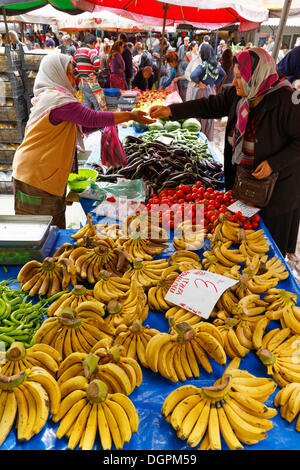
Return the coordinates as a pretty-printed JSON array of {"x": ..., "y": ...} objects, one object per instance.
[
  {"x": 173, "y": 98},
  {"x": 112, "y": 152}
]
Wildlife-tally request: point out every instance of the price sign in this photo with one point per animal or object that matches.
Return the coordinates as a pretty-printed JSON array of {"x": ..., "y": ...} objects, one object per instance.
[
  {"x": 198, "y": 291},
  {"x": 247, "y": 211},
  {"x": 165, "y": 140}
]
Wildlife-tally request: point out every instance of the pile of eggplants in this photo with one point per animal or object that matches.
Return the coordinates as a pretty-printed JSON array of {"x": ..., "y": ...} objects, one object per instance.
[{"x": 163, "y": 166}]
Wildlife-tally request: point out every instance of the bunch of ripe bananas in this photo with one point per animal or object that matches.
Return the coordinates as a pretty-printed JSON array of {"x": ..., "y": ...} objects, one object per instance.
[
  {"x": 110, "y": 287},
  {"x": 279, "y": 300},
  {"x": 47, "y": 278},
  {"x": 17, "y": 358},
  {"x": 288, "y": 400},
  {"x": 124, "y": 310},
  {"x": 156, "y": 294},
  {"x": 134, "y": 339},
  {"x": 177, "y": 355},
  {"x": 75, "y": 330},
  {"x": 146, "y": 273},
  {"x": 189, "y": 237},
  {"x": 121, "y": 374},
  {"x": 86, "y": 408},
  {"x": 280, "y": 354},
  {"x": 177, "y": 314},
  {"x": 233, "y": 408},
  {"x": 242, "y": 328},
  {"x": 185, "y": 260},
  {"x": 71, "y": 299},
  {"x": 142, "y": 238},
  {"x": 212, "y": 264},
  {"x": 106, "y": 255},
  {"x": 26, "y": 399}
]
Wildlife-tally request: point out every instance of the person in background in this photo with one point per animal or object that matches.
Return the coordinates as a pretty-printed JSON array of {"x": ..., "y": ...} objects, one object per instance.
[
  {"x": 55, "y": 38},
  {"x": 289, "y": 66},
  {"x": 127, "y": 57},
  {"x": 270, "y": 44},
  {"x": 151, "y": 43},
  {"x": 67, "y": 46},
  {"x": 60, "y": 37},
  {"x": 206, "y": 40},
  {"x": 242, "y": 41},
  {"x": 193, "y": 52},
  {"x": 183, "y": 48},
  {"x": 117, "y": 66},
  {"x": 103, "y": 56},
  {"x": 98, "y": 45},
  {"x": 49, "y": 41},
  {"x": 137, "y": 58},
  {"x": 40, "y": 170},
  {"x": 226, "y": 64},
  {"x": 219, "y": 48},
  {"x": 144, "y": 79},
  {"x": 15, "y": 41},
  {"x": 85, "y": 62},
  {"x": 207, "y": 76},
  {"x": 138, "y": 43}
]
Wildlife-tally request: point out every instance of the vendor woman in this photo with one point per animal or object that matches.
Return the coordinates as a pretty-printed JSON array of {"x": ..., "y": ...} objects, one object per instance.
[
  {"x": 53, "y": 134},
  {"x": 262, "y": 134}
]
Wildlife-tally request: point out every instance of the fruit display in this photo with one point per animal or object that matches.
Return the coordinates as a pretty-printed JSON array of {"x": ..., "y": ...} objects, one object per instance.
[
  {"x": 156, "y": 294},
  {"x": 233, "y": 408},
  {"x": 71, "y": 299},
  {"x": 177, "y": 314},
  {"x": 26, "y": 400},
  {"x": 185, "y": 260},
  {"x": 149, "y": 98},
  {"x": 89, "y": 408},
  {"x": 110, "y": 287},
  {"x": 188, "y": 236}
]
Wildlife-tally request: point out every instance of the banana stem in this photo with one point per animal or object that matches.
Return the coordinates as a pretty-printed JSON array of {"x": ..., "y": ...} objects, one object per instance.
[
  {"x": 184, "y": 331},
  {"x": 97, "y": 391},
  {"x": 7, "y": 383},
  {"x": 79, "y": 290},
  {"x": 114, "y": 307},
  {"x": 90, "y": 364},
  {"x": 16, "y": 351},
  {"x": 266, "y": 357}
]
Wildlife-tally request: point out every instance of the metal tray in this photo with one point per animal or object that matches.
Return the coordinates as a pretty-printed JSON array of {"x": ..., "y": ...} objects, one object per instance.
[{"x": 23, "y": 230}]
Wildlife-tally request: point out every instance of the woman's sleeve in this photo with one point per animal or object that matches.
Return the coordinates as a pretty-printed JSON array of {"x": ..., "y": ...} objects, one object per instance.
[
  {"x": 120, "y": 61},
  {"x": 197, "y": 74},
  {"x": 87, "y": 118},
  {"x": 213, "y": 107},
  {"x": 170, "y": 79}
]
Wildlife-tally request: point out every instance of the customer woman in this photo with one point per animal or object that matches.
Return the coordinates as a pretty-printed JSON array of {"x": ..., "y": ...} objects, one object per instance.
[
  {"x": 207, "y": 76},
  {"x": 262, "y": 134},
  {"x": 117, "y": 66},
  {"x": 54, "y": 132}
]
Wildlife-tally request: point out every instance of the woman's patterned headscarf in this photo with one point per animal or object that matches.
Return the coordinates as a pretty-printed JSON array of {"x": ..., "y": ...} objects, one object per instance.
[{"x": 259, "y": 75}]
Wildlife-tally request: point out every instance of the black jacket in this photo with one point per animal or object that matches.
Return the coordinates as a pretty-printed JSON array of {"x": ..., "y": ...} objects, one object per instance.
[
  {"x": 141, "y": 83},
  {"x": 277, "y": 139},
  {"x": 127, "y": 57}
]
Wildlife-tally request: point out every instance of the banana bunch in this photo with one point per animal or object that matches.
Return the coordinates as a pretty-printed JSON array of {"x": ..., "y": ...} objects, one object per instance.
[
  {"x": 179, "y": 314},
  {"x": 121, "y": 374},
  {"x": 156, "y": 294},
  {"x": 124, "y": 310},
  {"x": 227, "y": 256},
  {"x": 213, "y": 264},
  {"x": 146, "y": 273},
  {"x": 47, "y": 278},
  {"x": 87, "y": 408},
  {"x": 87, "y": 231},
  {"x": 71, "y": 299},
  {"x": 277, "y": 268},
  {"x": 189, "y": 237},
  {"x": 110, "y": 287},
  {"x": 106, "y": 255},
  {"x": 261, "y": 283},
  {"x": 142, "y": 238},
  {"x": 177, "y": 355},
  {"x": 74, "y": 330},
  {"x": 109, "y": 230},
  {"x": 185, "y": 260},
  {"x": 288, "y": 400},
  {"x": 280, "y": 353},
  {"x": 26, "y": 399},
  {"x": 134, "y": 339},
  {"x": 235, "y": 345},
  {"x": 17, "y": 358},
  {"x": 227, "y": 302},
  {"x": 291, "y": 319},
  {"x": 278, "y": 300},
  {"x": 233, "y": 408},
  {"x": 226, "y": 230}
]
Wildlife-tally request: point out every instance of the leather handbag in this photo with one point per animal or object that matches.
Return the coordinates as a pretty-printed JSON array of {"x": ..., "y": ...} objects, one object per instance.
[{"x": 250, "y": 190}]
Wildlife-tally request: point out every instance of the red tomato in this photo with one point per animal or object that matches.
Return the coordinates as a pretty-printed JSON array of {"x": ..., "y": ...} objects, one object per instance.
[
  {"x": 198, "y": 184},
  {"x": 210, "y": 190}
]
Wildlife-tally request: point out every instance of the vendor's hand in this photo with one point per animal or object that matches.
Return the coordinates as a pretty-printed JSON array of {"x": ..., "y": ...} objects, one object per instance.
[
  {"x": 140, "y": 116},
  {"x": 201, "y": 85},
  {"x": 262, "y": 171},
  {"x": 160, "y": 111}
]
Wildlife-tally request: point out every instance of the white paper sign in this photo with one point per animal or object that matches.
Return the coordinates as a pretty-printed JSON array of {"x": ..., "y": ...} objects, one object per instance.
[
  {"x": 165, "y": 140},
  {"x": 198, "y": 291},
  {"x": 247, "y": 211}
]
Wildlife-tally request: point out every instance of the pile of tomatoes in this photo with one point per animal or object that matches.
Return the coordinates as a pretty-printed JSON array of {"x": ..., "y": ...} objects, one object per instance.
[{"x": 176, "y": 205}]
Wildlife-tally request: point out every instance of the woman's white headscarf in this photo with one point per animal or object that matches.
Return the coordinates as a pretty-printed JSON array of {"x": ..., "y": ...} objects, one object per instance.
[{"x": 53, "y": 89}]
